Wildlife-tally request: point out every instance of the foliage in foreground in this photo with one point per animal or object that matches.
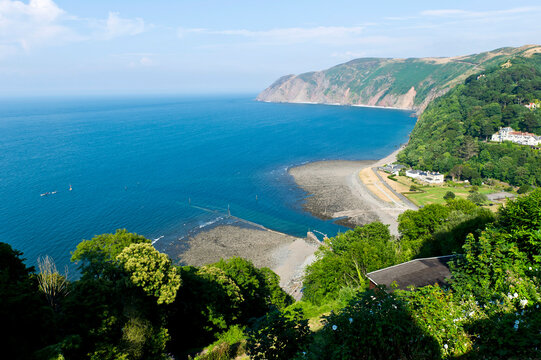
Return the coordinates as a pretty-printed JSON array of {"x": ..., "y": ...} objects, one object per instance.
[
  {"x": 490, "y": 311},
  {"x": 344, "y": 261},
  {"x": 123, "y": 308},
  {"x": 131, "y": 302},
  {"x": 278, "y": 335}
]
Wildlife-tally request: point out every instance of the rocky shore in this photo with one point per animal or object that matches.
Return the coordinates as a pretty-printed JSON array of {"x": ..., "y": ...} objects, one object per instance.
[
  {"x": 337, "y": 191},
  {"x": 286, "y": 255}
]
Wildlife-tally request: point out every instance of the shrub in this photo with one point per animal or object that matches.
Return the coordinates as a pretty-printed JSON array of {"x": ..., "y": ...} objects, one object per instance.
[
  {"x": 477, "y": 182},
  {"x": 524, "y": 189},
  {"x": 414, "y": 188},
  {"x": 376, "y": 325},
  {"x": 449, "y": 195},
  {"x": 477, "y": 198},
  {"x": 278, "y": 335}
]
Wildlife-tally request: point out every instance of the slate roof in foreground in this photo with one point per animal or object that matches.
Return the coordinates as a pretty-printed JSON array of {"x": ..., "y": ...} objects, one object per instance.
[{"x": 418, "y": 272}]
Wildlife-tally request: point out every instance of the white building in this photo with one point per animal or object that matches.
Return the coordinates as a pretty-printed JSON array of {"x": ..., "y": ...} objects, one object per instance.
[
  {"x": 522, "y": 138},
  {"x": 426, "y": 176},
  {"x": 392, "y": 168}
]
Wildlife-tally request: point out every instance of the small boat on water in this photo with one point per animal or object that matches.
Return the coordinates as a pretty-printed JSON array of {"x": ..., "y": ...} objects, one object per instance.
[
  {"x": 48, "y": 193},
  {"x": 70, "y": 188}
]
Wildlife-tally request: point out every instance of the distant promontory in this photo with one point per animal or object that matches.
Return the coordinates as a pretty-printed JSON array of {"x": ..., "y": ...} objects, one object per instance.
[{"x": 401, "y": 83}]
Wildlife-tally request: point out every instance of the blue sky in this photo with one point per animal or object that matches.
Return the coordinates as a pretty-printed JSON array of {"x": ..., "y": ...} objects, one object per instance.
[{"x": 206, "y": 46}]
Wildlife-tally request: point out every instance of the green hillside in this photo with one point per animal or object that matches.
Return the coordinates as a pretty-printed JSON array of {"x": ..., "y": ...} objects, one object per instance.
[
  {"x": 406, "y": 83},
  {"x": 451, "y": 135}
]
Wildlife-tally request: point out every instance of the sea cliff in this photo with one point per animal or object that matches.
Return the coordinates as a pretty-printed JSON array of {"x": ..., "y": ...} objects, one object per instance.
[{"x": 401, "y": 83}]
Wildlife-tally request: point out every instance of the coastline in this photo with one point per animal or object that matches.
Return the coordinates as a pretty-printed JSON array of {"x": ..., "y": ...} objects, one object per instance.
[
  {"x": 338, "y": 104},
  {"x": 338, "y": 190}
]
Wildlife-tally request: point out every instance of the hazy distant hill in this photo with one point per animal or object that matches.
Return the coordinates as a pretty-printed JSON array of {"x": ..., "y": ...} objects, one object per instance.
[{"x": 404, "y": 83}]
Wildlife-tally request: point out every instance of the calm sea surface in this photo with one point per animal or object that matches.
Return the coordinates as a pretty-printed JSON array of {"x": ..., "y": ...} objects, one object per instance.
[{"x": 150, "y": 164}]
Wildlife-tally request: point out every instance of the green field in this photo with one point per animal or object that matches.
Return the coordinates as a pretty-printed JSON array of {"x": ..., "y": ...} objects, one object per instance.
[{"x": 435, "y": 194}]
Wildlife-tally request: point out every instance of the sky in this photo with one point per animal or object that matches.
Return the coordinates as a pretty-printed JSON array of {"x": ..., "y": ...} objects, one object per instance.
[{"x": 81, "y": 47}]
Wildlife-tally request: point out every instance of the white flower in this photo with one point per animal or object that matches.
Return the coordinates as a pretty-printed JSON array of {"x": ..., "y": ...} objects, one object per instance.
[
  {"x": 445, "y": 346},
  {"x": 515, "y": 295},
  {"x": 530, "y": 268},
  {"x": 517, "y": 322},
  {"x": 509, "y": 296},
  {"x": 334, "y": 327},
  {"x": 471, "y": 314},
  {"x": 516, "y": 326},
  {"x": 350, "y": 320},
  {"x": 523, "y": 303}
]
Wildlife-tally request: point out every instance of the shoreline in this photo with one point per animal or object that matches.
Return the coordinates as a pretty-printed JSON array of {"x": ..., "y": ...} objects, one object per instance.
[
  {"x": 338, "y": 190},
  {"x": 339, "y": 104},
  {"x": 350, "y": 202},
  {"x": 335, "y": 191},
  {"x": 286, "y": 255}
]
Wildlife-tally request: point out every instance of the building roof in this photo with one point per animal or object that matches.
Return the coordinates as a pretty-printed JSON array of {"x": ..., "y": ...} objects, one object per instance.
[
  {"x": 392, "y": 167},
  {"x": 424, "y": 173},
  {"x": 418, "y": 272}
]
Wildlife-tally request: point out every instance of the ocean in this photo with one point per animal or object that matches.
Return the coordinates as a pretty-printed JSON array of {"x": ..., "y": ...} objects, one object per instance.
[{"x": 166, "y": 167}]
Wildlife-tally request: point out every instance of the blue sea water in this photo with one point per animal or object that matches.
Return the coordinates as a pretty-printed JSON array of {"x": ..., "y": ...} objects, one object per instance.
[{"x": 142, "y": 163}]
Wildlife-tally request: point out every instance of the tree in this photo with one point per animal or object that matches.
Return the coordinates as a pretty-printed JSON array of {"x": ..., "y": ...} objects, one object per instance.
[
  {"x": 449, "y": 195},
  {"x": 417, "y": 227},
  {"x": 346, "y": 259},
  {"x": 150, "y": 270},
  {"x": 258, "y": 288},
  {"x": 477, "y": 198},
  {"x": 25, "y": 317},
  {"x": 97, "y": 256}
]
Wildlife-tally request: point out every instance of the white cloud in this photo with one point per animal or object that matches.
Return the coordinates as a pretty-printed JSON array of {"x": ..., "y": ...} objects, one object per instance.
[
  {"x": 457, "y": 13},
  {"x": 348, "y": 55},
  {"x": 117, "y": 26},
  {"x": 27, "y": 25},
  {"x": 145, "y": 61},
  {"x": 42, "y": 23},
  {"x": 286, "y": 35}
]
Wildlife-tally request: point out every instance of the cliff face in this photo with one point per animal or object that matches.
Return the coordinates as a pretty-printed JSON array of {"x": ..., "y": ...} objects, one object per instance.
[{"x": 402, "y": 83}]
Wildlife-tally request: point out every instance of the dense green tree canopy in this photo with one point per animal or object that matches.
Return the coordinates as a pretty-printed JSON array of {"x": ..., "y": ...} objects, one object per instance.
[
  {"x": 450, "y": 136},
  {"x": 24, "y": 316},
  {"x": 345, "y": 259},
  {"x": 150, "y": 270},
  {"x": 96, "y": 256}
]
